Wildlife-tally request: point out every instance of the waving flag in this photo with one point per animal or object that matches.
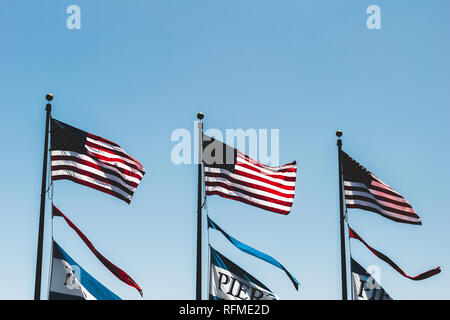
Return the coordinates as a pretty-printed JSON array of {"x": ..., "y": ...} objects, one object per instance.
[
  {"x": 93, "y": 161},
  {"x": 119, "y": 273},
  {"x": 363, "y": 190},
  {"x": 231, "y": 282},
  {"x": 253, "y": 252},
  {"x": 364, "y": 286},
  {"x": 231, "y": 174},
  {"x": 69, "y": 281},
  {"x": 422, "y": 276}
]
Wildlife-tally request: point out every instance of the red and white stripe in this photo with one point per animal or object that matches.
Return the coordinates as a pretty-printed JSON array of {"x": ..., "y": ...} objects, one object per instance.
[
  {"x": 379, "y": 198},
  {"x": 106, "y": 167},
  {"x": 269, "y": 188}
]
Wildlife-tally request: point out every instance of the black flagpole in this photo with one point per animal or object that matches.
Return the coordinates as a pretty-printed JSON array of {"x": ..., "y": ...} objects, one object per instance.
[
  {"x": 198, "y": 294},
  {"x": 37, "y": 286},
  {"x": 342, "y": 219}
]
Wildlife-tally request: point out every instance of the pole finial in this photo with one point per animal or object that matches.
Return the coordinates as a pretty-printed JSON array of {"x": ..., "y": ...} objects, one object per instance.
[
  {"x": 200, "y": 116},
  {"x": 49, "y": 97},
  {"x": 339, "y": 135}
]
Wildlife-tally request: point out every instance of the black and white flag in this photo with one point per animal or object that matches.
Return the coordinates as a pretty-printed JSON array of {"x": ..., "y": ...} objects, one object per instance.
[
  {"x": 69, "y": 281},
  {"x": 231, "y": 282},
  {"x": 364, "y": 286}
]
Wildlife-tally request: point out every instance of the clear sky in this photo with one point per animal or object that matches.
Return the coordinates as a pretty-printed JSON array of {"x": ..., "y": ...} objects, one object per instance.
[{"x": 137, "y": 70}]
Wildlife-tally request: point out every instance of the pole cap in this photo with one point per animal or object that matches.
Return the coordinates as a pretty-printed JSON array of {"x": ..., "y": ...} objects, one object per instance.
[
  {"x": 339, "y": 133},
  {"x": 200, "y": 116},
  {"x": 49, "y": 97}
]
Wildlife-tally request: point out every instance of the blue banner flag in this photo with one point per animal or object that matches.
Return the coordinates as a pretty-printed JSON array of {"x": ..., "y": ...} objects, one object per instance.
[{"x": 251, "y": 251}]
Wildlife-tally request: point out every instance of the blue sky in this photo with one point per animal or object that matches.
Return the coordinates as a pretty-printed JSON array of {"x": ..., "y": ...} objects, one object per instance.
[{"x": 136, "y": 71}]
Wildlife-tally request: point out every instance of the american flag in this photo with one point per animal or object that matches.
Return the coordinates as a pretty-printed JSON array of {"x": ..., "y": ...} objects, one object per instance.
[
  {"x": 363, "y": 190},
  {"x": 236, "y": 176},
  {"x": 93, "y": 161}
]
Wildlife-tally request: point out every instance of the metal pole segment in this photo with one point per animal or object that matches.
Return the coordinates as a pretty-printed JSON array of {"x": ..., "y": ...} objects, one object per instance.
[
  {"x": 198, "y": 294},
  {"x": 342, "y": 219},
  {"x": 37, "y": 284}
]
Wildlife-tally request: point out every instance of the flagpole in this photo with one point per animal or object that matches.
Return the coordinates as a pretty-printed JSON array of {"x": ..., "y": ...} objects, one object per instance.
[
  {"x": 37, "y": 284},
  {"x": 342, "y": 219},
  {"x": 198, "y": 294},
  {"x": 208, "y": 283}
]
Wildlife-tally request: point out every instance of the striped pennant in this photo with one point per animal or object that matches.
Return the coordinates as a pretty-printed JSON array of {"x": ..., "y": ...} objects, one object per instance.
[
  {"x": 93, "y": 161},
  {"x": 231, "y": 174},
  {"x": 363, "y": 190},
  {"x": 422, "y": 276},
  {"x": 119, "y": 273}
]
